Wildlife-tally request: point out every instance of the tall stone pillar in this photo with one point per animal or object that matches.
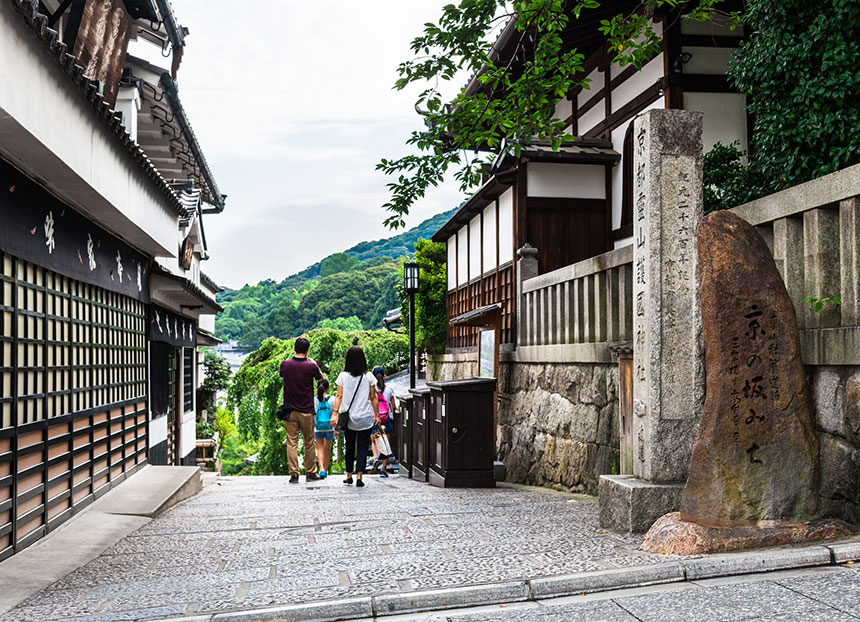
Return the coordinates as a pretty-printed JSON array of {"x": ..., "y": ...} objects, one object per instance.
[{"x": 668, "y": 353}]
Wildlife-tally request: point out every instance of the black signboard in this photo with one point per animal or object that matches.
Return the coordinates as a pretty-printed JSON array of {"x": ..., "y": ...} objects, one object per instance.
[
  {"x": 36, "y": 227},
  {"x": 171, "y": 328}
]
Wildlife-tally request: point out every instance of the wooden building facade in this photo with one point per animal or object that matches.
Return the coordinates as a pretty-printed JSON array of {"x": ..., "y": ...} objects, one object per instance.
[
  {"x": 576, "y": 202},
  {"x": 101, "y": 239}
]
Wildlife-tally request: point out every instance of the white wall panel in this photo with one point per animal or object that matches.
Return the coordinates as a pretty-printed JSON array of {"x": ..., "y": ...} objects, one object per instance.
[
  {"x": 452, "y": 262},
  {"x": 158, "y": 431},
  {"x": 188, "y": 435},
  {"x": 475, "y": 247},
  {"x": 637, "y": 83},
  {"x": 563, "y": 109},
  {"x": 581, "y": 181},
  {"x": 724, "y": 119},
  {"x": 708, "y": 61},
  {"x": 590, "y": 119},
  {"x": 490, "y": 237},
  {"x": 463, "y": 256},
  {"x": 506, "y": 226},
  {"x": 595, "y": 84}
]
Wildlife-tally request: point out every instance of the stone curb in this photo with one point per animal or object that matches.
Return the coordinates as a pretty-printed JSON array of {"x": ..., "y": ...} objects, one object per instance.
[
  {"x": 414, "y": 602},
  {"x": 549, "y": 587},
  {"x": 603, "y": 580},
  {"x": 762, "y": 561},
  {"x": 325, "y": 610}
]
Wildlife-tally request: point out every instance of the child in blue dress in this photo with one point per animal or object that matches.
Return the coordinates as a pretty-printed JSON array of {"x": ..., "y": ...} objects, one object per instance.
[{"x": 323, "y": 432}]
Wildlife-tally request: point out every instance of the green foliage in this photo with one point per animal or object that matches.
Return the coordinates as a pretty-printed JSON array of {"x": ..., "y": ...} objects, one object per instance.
[
  {"x": 510, "y": 103},
  {"x": 339, "y": 262},
  {"x": 269, "y": 309},
  {"x": 257, "y": 387},
  {"x": 236, "y": 450},
  {"x": 216, "y": 377},
  {"x": 431, "y": 316},
  {"x": 799, "y": 71},
  {"x": 225, "y": 425},
  {"x": 348, "y": 324},
  {"x": 816, "y": 304},
  {"x": 727, "y": 180}
]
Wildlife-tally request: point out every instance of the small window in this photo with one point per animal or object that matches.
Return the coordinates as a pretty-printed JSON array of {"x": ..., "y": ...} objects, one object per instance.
[{"x": 187, "y": 379}]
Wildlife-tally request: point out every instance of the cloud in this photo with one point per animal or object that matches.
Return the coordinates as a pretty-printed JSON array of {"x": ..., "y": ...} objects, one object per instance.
[{"x": 293, "y": 105}]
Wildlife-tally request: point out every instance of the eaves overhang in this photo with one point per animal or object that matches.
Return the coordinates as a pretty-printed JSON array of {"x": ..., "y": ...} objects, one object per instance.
[
  {"x": 180, "y": 293},
  {"x": 89, "y": 90}
]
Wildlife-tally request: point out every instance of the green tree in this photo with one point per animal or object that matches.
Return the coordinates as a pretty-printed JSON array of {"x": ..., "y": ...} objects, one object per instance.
[
  {"x": 799, "y": 70},
  {"x": 339, "y": 262},
  {"x": 431, "y": 315},
  {"x": 516, "y": 96},
  {"x": 256, "y": 389},
  {"x": 216, "y": 377},
  {"x": 351, "y": 323},
  {"x": 727, "y": 181}
]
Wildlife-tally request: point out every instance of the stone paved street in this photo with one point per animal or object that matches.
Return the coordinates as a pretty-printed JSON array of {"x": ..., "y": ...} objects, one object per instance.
[
  {"x": 256, "y": 542},
  {"x": 820, "y": 595}
]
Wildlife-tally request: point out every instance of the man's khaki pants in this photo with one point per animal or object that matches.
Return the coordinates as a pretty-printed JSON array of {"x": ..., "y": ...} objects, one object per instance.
[{"x": 303, "y": 422}]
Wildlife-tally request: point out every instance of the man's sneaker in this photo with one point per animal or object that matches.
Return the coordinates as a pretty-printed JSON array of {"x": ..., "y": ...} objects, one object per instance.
[
  {"x": 323, "y": 475},
  {"x": 294, "y": 478},
  {"x": 383, "y": 473},
  {"x": 312, "y": 477}
]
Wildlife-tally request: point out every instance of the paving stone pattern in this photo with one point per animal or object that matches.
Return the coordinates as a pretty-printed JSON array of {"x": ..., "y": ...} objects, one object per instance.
[
  {"x": 832, "y": 596},
  {"x": 258, "y": 541}
]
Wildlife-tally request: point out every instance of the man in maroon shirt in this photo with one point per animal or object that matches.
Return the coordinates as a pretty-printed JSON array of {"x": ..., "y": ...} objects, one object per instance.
[{"x": 299, "y": 373}]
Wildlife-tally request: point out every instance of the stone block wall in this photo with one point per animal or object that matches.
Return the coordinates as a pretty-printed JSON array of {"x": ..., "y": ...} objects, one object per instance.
[
  {"x": 452, "y": 366},
  {"x": 836, "y": 399},
  {"x": 558, "y": 423}
]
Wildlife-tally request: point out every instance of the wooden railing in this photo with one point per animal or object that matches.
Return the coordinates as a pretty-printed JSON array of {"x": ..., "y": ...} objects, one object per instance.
[{"x": 574, "y": 313}]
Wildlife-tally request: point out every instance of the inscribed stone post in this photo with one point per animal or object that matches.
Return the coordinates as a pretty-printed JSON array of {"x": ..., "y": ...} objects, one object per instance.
[{"x": 668, "y": 362}]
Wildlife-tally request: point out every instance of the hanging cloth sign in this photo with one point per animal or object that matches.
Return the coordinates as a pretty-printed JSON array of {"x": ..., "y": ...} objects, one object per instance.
[
  {"x": 38, "y": 228},
  {"x": 171, "y": 328}
]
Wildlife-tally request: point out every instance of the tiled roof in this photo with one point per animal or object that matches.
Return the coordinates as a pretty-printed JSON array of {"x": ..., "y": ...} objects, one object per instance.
[
  {"x": 89, "y": 89},
  {"x": 210, "y": 283}
]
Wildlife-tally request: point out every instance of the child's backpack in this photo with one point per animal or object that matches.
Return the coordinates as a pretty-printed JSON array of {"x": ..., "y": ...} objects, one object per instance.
[
  {"x": 384, "y": 413},
  {"x": 323, "y": 417}
]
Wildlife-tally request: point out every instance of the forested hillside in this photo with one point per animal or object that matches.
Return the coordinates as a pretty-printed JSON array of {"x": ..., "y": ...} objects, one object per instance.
[{"x": 351, "y": 290}]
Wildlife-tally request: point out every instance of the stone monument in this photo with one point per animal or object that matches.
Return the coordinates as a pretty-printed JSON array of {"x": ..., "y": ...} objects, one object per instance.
[
  {"x": 754, "y": 471},
  {"x": 668, "y": 360}
]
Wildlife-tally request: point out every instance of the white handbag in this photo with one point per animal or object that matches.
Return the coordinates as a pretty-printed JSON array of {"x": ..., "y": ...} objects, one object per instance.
[{"x": 382, "y": 445}]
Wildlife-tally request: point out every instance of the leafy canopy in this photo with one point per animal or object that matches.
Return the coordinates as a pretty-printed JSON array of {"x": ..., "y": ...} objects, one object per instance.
[{"x": 517, "y": 96}]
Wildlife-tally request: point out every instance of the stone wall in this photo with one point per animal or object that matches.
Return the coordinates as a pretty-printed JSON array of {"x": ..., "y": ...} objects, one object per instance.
[
  {"x": 452, "y": 366},
  {"x": 836, "y": 398},
  {"x": 558, "y": 423}
]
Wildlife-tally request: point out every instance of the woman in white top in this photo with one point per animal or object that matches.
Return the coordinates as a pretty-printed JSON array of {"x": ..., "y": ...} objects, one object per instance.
[{"x": 356, "y": 391}]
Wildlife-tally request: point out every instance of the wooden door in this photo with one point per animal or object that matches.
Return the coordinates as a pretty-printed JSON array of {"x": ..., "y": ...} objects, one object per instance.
[{"x": 625, "y": 418}]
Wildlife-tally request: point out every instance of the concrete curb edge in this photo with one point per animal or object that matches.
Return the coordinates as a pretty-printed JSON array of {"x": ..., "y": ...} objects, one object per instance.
[{"x": 549, "y": 587}]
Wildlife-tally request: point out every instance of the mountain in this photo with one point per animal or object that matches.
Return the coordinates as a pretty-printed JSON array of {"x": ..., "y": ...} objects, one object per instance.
[{"x": 358, "y": 283}]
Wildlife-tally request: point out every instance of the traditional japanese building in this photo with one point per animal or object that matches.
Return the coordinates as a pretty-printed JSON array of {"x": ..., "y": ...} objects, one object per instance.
[
  {"x": 103, "y": 189},
  {"x": 576, "y": 202}
]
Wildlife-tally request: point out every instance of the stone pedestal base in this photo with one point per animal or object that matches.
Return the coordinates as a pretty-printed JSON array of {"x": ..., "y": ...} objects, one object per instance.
[
  {"x": 671, "y": 536},
  {"x": 631, "y": 505}
]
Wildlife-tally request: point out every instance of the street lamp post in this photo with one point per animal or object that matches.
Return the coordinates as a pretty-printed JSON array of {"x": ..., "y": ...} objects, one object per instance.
[{"x": 410, "y": 286}]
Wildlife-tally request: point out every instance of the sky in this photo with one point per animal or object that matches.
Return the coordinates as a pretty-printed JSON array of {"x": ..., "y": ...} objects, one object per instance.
[{"x": 293, "y": 106}]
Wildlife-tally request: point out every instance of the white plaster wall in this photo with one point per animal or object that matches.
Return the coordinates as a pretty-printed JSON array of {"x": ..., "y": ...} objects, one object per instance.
[
  {"x": 581, "y": 181},
  {"x": 563, "y": 109},
  {"x": 452, "y": 262},
  {"x": 708, "y": 60},
  {"x": 475, "y": 247},
  {"x": 724, "y": 118},
  {"x": 462, "y": 256},
  {"x": 636, "y": 84},
  {"x": 506, "y": 226},
  {"x": 590, "y": 119},
  {"x": 207, "y": 323},
  {"x": 51, "y": 133},
  {"x": 187, "y": 435},
  {"x": 594, "y": 83},
  {"x": 158, "y": 431},
  {"x": 617, "y": 137},
  {"x": 490, "y": 237}
]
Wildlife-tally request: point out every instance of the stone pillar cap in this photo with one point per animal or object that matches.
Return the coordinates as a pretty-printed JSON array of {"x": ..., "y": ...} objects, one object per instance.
[{"x": 527, "y": 251}]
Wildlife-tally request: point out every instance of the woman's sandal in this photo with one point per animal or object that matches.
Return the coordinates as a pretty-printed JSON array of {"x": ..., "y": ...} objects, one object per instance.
[{"x": 348, "y": 481}]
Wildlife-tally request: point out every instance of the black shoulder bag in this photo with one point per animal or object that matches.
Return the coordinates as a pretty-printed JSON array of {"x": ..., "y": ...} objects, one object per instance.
[{"x": 343, "y": 415}]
